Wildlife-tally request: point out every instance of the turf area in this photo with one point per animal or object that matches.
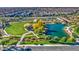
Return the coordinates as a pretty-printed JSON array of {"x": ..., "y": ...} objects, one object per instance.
[{"x": 16, "y": 28}]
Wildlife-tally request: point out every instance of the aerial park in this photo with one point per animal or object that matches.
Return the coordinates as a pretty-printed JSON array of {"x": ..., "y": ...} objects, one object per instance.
[
  {"x": 38, "y": 27},
  {"x": 40, "y": 30}
]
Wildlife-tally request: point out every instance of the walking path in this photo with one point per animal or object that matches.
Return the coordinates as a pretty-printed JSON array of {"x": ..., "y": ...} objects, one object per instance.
[
  {"x": 5, "y": 34},
  {"x": 22, "y": 37}
]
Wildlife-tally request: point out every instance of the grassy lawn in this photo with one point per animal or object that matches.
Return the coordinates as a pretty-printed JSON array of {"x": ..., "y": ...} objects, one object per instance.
[
  {"x": 16, "y": 28},
  {"x": 77, "y": 30},
  {"x": 35, "y": 42}
]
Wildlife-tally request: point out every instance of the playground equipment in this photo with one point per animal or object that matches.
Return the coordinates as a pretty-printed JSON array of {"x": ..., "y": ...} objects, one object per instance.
[{"x": 38, "y": 24}]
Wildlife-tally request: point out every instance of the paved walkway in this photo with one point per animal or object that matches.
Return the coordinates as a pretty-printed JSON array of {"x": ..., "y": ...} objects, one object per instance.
[{"x": 22, "y": 37}]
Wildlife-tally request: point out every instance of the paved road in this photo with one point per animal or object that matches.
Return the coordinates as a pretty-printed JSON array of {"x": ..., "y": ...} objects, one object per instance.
[{"x": 55, "y": 48}]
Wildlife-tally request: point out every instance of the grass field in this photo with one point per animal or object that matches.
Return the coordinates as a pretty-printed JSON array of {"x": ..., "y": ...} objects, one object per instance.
[{"x": 16, "y": 28}]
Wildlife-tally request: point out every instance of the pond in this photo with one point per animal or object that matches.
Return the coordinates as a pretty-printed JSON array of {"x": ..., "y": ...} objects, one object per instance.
[{"x": 55, "y": 30}]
